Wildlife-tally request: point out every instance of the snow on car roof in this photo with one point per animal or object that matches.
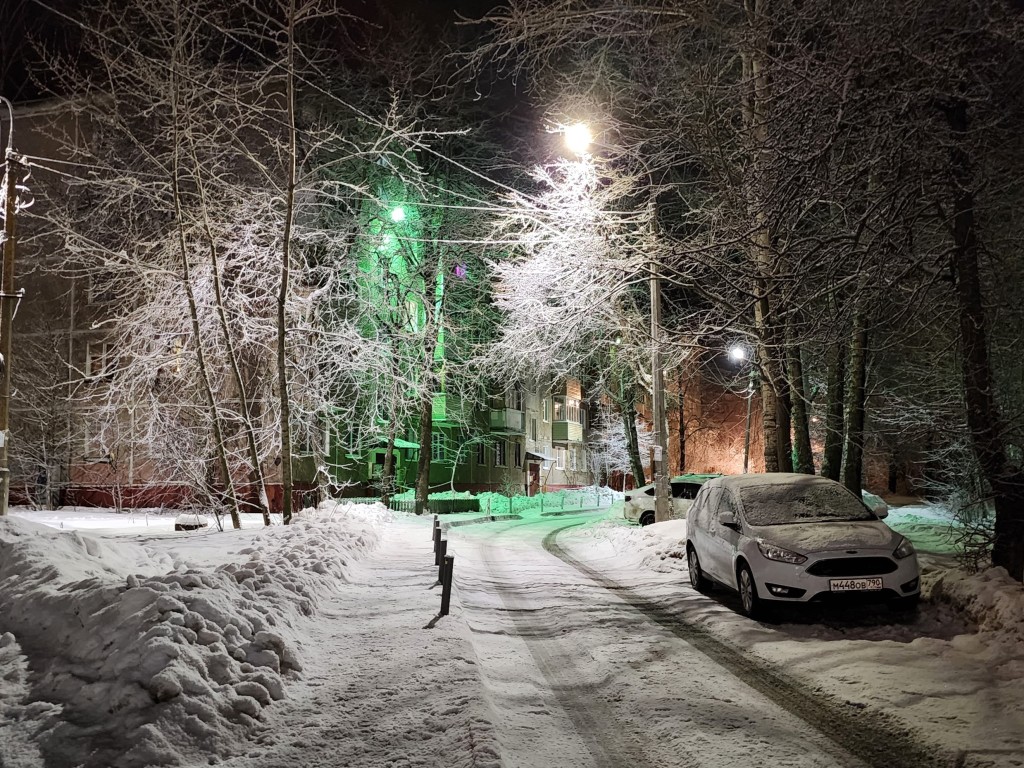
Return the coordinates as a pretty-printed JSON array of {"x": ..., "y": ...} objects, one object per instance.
[{"x": 770, "y": 478}]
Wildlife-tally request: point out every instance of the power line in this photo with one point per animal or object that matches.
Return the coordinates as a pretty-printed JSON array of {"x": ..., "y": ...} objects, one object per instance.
[{"x": 394, "y": 133}]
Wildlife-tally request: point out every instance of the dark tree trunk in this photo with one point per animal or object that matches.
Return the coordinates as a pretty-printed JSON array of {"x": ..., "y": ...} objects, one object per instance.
[
  {"x": 629, "y": 428},
  {"x": 387, "y": 474},
  {"x": 832, "y": 460},
  {"x": 983, "y": 417},
  {"x": 801, "y": 426},
  {"x": 853, "y": 453},
  {"x": 426, "y": 432},
  {"x": 785, "y": 427},
  {"x": 633, "y": 446},
  {"x": 681, "y": 443}
]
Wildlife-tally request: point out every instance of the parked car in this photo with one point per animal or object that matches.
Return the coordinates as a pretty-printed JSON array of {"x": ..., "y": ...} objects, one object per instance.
[
  {"x": 638, "y": 504},
  {"x": 789, "y": 538}
]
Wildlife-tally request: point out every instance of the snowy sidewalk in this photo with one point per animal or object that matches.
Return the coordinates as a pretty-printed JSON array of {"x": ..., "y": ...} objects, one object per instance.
[{"x": 381, "y": 687}]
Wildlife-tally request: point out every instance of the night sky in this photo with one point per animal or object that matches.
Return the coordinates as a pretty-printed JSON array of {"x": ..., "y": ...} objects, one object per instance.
[{"x": 25, "y": 25}]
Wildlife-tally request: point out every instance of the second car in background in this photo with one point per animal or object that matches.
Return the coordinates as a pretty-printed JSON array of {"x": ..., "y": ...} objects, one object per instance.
[{"x": 638, "y": 504}]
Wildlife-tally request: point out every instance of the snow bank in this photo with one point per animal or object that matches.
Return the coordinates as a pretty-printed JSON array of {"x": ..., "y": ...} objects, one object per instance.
[
  {"x": 150, "y": 661},
  {"x": 991, "y": 599}
]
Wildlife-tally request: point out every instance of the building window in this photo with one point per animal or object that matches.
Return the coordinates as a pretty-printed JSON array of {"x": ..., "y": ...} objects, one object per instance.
[
  {"x": 499, "y": 453},
  {"x": 514, "y": 400},
  {"x": 559, "y": 458},
  {"x": 94, "y": 444},
  {"x": 412, "y": 308},
  {"x": 544, "y": 407},
  {"x": 574, "y": 457},
  {"x": 567, "y": 409},
  {"x": 533, "y": 430},
  {"x": 437, "y": 446},
  {"x": 481, "y": 454},
  {"x": 98, "y": 359},
  {"x": 518, "y": 455}
]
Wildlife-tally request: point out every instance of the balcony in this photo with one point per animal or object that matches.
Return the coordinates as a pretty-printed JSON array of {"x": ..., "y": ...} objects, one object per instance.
[
  {"x": 445, "y": 408},
  {"x": 566, "y": 432},
  {"x": 508, "y": 421}
]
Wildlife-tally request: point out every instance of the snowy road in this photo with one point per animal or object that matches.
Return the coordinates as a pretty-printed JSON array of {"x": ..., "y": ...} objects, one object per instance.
[{"x": 585, "y": 671}]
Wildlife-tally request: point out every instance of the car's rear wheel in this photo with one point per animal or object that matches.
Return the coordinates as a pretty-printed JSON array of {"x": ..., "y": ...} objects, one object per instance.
[
  {"x": 646, "y": 518},
  {"x": 698, "y": 580},
  {"x": 751, "y": 604}
]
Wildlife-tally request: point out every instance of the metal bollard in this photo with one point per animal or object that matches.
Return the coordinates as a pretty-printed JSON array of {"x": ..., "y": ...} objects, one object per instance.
[
  {"x": 446, "y": 583},
  {"x": 440, "y": 559},
  {"x": 437, "y": 545}
]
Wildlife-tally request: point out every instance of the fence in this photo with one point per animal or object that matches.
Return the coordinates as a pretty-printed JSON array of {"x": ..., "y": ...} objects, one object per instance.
[{"x": 437, "y": 506}]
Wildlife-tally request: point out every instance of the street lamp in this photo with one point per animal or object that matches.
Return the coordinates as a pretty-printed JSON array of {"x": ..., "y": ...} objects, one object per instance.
[
  {"x": 738, "y": 354},
  {"x": 578, "y": 138}
]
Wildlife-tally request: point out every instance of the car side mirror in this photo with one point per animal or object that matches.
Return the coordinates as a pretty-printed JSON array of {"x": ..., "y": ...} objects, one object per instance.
[
  {"x": 728, "y": 519},
  {"x": 881, "y": 514}
]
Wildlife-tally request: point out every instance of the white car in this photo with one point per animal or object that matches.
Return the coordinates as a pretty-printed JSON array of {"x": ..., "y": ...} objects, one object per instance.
[
  {"x": 790, "y": 538},
  {"x": 638, "y": 504}
]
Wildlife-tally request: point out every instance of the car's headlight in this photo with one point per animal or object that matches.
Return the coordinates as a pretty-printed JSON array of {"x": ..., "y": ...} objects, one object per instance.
[
  {"x": 905, "y": 549},
  {"x": 778, "y": 553}
]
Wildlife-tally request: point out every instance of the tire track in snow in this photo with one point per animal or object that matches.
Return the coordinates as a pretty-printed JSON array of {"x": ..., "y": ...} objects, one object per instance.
[
  {"x": 865, "y": 734},
  {"x": 591, "y": 717}
]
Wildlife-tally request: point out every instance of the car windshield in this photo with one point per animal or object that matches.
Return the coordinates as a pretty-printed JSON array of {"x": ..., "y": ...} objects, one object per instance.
[{"x": 811, "y": 503}]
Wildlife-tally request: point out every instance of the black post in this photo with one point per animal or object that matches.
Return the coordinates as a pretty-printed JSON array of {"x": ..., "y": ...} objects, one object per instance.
[
  {"x": 440, "y": 559},
  {"x": 437, "y": 545},
  {"x": 446, "y": 583}
]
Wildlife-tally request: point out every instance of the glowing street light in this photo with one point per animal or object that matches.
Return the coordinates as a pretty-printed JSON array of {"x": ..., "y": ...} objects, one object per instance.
[
  {"x": 397, "y": 214},
  {"x": 578, "y": 138},
  {"x": 738, "y": 354}
]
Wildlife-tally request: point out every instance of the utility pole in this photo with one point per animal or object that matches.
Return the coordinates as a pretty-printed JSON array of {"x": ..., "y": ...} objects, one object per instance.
[
  {"x": 659, "y": 452},
  {"x": 8, "y": 300}
]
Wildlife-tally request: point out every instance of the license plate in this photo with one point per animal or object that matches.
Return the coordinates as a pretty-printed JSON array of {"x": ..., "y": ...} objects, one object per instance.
[{"x": 854, "y": 585}]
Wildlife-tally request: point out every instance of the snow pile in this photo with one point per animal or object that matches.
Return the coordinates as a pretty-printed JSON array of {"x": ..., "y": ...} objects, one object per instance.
[
  {"x": 153, "y": 661},
  {"x": 23, "y": 722},
  {"x": 991, "y": 599}
]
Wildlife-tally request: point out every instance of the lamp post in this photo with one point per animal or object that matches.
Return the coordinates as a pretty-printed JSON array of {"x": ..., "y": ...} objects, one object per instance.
[
  {"x": 739, "y": 354},
  {"x": 578, "y": 139}
]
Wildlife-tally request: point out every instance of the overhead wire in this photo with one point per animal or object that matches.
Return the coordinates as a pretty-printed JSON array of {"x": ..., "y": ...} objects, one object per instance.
[{"x": 362, "y": 114}]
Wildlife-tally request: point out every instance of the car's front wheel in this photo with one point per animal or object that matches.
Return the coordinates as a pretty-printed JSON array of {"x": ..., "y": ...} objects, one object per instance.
[
  {"x": 698, "y": 580},
  {"x": 752, "y": 605},
  {"x": 646, "y": 518}
]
